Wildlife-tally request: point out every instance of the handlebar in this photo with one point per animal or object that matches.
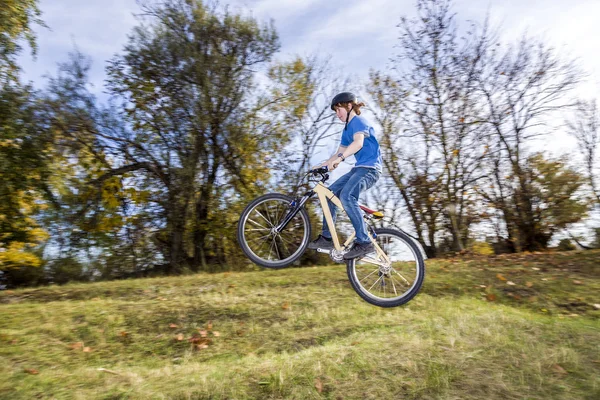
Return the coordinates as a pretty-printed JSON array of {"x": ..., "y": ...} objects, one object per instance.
[{"x": 320, "y": 172}]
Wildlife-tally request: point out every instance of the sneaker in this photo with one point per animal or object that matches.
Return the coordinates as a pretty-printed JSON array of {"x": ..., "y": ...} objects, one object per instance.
[
  {"x": 359, "y": 250},
  {"x": 321, "y": 243}
]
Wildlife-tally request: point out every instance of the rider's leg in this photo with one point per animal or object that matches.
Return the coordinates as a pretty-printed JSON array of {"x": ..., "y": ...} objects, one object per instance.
[
  {"x": 336, "y": 187},
  {"x": 360, "y": 181}
]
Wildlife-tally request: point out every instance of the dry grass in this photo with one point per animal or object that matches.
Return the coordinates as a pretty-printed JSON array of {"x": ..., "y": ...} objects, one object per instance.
[{"x": 304, "y": 334}]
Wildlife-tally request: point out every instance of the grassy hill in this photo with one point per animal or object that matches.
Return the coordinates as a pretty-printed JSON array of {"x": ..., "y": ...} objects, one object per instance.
[{"x": 513, "y": 327}]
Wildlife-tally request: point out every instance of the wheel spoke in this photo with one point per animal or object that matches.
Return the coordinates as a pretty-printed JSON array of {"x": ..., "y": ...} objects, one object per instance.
[
  {"x": 284, "y": 245},
  {"x": 257, "y": 224},
  {"x": 405, "y": 280},
  {"x": 369, "y": 275},
  {"x": 393, "y": 286},
  {"x": 263, "y": 217},
  {"x": 375, "y": 282}
]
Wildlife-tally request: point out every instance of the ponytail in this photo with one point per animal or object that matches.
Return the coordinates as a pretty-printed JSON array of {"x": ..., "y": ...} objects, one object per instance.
[{"x": 355, "y": 106}]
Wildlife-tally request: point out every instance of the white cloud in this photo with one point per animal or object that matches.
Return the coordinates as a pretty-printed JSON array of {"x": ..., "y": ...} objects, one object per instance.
[{"x": 358, "y": 35}]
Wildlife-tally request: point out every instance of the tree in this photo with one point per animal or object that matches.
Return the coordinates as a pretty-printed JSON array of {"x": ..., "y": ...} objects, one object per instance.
[
  {"x": 433, "y": 140},
  {"x": 557, "y": 200},
  {"x": 303, "y": 89},
  {"x": 22, "y": 173},
  {"x": 521, "y": 89},
  {"x": 194, "y": 129},
  {"x": 21, "y": 164},
  {"x": 16, "y": 19},
  {"x": 584, "y": 128}
]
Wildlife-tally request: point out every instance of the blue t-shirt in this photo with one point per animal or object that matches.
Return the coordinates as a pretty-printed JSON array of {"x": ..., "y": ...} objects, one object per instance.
[{"x": 370, "y": 154}]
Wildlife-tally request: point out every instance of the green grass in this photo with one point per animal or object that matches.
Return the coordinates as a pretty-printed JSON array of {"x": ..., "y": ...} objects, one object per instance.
[{"x": 304, "y": 334}]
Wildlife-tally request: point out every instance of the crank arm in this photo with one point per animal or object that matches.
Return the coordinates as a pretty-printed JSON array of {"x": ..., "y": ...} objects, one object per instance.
[{"x": 374, "y": 261}]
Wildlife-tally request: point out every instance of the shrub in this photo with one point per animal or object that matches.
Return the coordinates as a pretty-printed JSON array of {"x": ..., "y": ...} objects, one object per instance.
[
  {"x": 482, "y": 248},
  {"x": 566, "y": 245}
]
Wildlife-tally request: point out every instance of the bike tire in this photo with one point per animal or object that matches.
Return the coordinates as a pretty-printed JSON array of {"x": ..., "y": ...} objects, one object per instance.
[
  {"x": 301, "y": 221},
  {"x": 419, "y": 265}
]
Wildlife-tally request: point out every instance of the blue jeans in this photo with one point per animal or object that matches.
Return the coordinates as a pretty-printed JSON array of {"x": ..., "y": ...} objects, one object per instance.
[{"x": 348, "y": 189}]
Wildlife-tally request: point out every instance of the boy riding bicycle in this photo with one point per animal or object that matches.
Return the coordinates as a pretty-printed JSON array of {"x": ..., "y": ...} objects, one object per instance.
[{"x": 358, "y": 139}]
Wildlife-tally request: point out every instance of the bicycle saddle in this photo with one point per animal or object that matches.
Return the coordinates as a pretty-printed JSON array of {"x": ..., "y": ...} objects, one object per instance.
[{"x": 374, "y": 213}]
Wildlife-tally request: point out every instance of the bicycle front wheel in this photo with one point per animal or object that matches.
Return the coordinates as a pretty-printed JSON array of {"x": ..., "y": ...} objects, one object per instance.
[
  {"x": 390, "y": 280},
  {"x": 262, "y": 243}
]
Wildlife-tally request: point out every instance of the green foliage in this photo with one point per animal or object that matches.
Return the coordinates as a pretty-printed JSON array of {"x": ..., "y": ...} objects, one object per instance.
[
  {"x": 556, "y": 198},
  {"x": 16, "y": 19},
  {"x": 566, "y": 245},
  {"x": 22, "y": 177}
]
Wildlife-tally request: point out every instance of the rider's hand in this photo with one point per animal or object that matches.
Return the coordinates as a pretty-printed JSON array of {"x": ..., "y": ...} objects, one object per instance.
[
  {"x": 331, "y": 165},
  {"x": 318, "y": 166}
]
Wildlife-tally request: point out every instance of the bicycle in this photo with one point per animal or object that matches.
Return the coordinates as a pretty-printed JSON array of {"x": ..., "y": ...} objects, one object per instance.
[{"x": 274, "y": 231}]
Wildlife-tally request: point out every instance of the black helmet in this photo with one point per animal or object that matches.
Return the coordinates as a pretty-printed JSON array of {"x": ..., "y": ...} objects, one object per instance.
[{"x": 344, "y": 97}]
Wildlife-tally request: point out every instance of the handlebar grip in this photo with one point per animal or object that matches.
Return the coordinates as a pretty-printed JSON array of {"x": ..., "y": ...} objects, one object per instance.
[{"x": 321, "y": 170}]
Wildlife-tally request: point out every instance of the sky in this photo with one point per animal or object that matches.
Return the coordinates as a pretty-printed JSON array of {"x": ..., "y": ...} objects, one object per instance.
[{"x": 358, "y": 35}]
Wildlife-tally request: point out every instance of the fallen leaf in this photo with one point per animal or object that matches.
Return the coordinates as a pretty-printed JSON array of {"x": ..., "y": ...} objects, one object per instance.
[
  {"x": 231, "y": 286},
  {"x": 179, "y": 337},
  {"x": 535, "y": 268},
  {"x": 511, "y": 283},
  {"x": 76, "y": 346},
  {"x": 354, "y": 343},
  {"x": 87, "y": 349},
  {"x": 285, "y": 306},
  {"x": 203, "y": 333},
  {"x": 491, "y": 297},
  {"x": 108, "y": 371},
  {"x": 578, "y": 282},
  {"x": 173, "y": 326},
  {"x": 209, "y": 326},
  {"x": 123, "y": 334},
  {"x": 499, "y": 276},
  {"x": 319, "y": 385},
  {"x": 31, "y": 371},
  {"x": 597, "y": 306},
  {"x": 217, "y": 334},
  {"x": 558, "y": 369},
  {"x": 529, "y": 284},
  {"x": 202, "y": 346}
]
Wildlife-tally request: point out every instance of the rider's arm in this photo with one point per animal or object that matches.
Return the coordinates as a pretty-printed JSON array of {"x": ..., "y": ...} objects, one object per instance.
[
  {"x": 355, "y": 146},
  {"x": 334, "y": 157}
]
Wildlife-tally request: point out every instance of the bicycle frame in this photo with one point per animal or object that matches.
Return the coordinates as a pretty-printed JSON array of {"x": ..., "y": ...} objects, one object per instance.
[{"x": 324, "y": 194}]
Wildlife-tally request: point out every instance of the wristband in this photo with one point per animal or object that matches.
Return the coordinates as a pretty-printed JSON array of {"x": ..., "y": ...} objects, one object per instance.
[{"x": 341, "y": 155}]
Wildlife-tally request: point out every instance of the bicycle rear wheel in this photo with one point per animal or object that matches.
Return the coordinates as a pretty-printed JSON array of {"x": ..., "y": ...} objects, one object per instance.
[
  {"x": 260, "y": 241},
  {"x": 391, "y": 282}
]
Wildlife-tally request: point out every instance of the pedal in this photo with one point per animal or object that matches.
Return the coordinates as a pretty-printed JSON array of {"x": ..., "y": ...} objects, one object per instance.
[{"x": 324, "y": 251}]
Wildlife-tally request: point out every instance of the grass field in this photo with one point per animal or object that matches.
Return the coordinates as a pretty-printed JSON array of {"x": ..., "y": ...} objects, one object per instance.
[{"x": 513, "y": 327}]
